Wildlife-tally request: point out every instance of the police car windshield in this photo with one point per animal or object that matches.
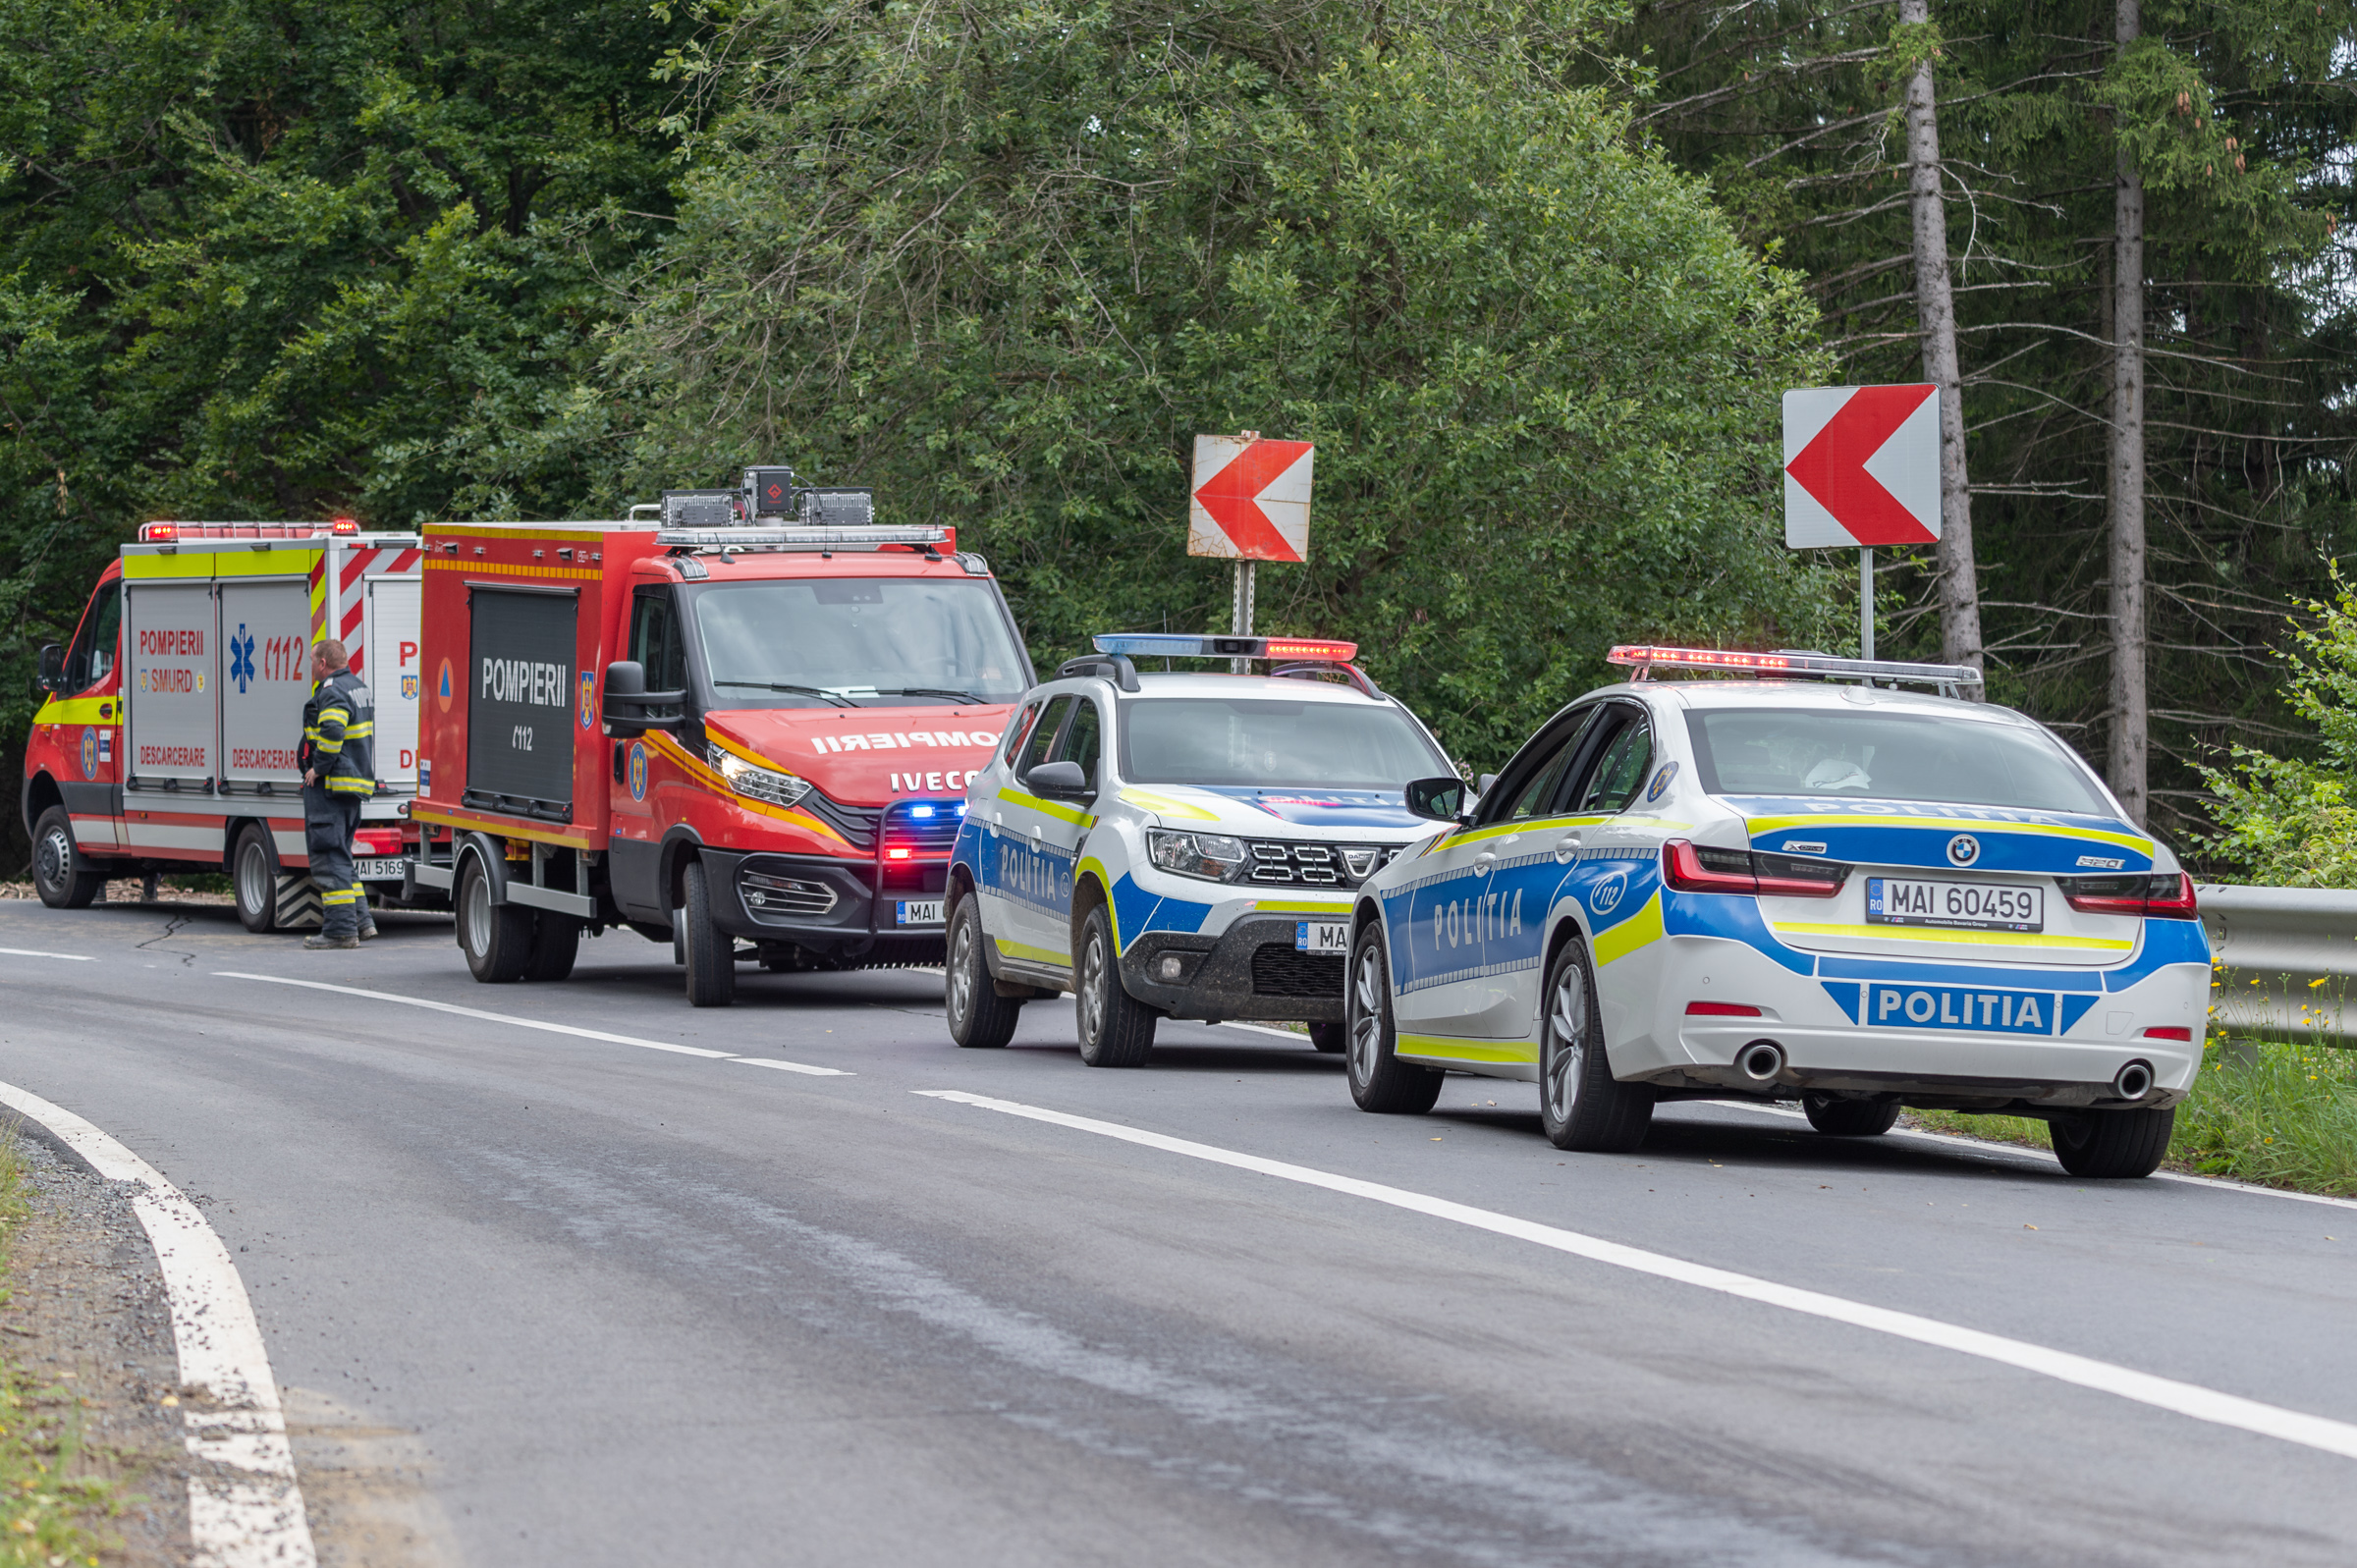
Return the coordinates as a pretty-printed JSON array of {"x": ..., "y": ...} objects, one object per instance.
[
  {"x": 1267, "y": 741},
  {"x": 857, "y": 641},
  {"x": 1886, "y": 756}
]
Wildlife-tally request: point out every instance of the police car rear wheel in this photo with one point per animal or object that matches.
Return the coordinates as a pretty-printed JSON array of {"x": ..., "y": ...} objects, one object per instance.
[
  {"x": 497, "y": 939},
  {"x": 1581, "y": 1104},
  {"x": 1116, "y": 1030},
  {"x": 711, "y": 952},
  {"x": 1380, "y": 1082},
  {"x": 254, "y": 877},
  {"x": 1849, "y": 1118},
  {"x": 58, "y": 873},
  {"x": 2113, "y": 1144},
  {"x": 980, "y": 1019}
]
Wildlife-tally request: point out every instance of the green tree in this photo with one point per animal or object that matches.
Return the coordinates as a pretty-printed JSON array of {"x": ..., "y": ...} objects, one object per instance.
[
  {"x": 1004, "y": 259},
  {"x": 2292, "y": 821}
]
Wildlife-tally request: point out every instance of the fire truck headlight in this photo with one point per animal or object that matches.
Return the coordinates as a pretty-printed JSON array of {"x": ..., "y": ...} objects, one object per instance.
[
  {"x": 1213, "y": 856},
  {"x": 754, "y": 780}
]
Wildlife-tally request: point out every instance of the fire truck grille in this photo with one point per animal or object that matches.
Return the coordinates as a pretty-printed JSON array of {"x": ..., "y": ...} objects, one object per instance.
[
  {"x": 927, "y": 830},
  {"x": 857, "y": 824},
  {"x": 790, "y": 895},
  {"x": 1279, "y": 970}
]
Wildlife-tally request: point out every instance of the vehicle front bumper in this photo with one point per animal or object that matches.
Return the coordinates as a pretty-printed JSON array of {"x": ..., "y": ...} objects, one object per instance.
[
  {"x": 1230, "y": 975},
  {"x": 852, "y": 905}
]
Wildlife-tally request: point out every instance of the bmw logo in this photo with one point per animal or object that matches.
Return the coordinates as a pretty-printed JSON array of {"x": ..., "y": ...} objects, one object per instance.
[{"x": 1963, "y": 850}]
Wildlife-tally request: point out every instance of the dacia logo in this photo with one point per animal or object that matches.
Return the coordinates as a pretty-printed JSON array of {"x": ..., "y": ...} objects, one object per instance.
[
  {"x": 1605, "y": 896},
  {"x": 1963, "y": 850}
]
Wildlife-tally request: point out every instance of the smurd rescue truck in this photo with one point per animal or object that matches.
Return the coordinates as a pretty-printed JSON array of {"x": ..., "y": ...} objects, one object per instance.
[
  {"x": 168, "y": 738},
  {"x": 744, "y": 728}
]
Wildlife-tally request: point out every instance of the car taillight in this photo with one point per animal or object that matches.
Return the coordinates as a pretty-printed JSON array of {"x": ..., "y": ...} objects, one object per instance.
[
  {"x": 377, "y": 841},
  {"x": 2168, "y": 896},
  {"x": 1693, "y": 868},
  {"x": 1720, "y": 1010},
  {"x": 2184, "y": 1034}
]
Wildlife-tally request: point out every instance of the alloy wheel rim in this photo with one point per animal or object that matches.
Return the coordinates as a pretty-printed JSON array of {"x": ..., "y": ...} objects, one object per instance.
[
  {"x": 962, "y": 984},
  {"x": 1366, "y": 1021},
  {"x": 1567, "y": 1032},
  {"x": 1092, "y": 986}
]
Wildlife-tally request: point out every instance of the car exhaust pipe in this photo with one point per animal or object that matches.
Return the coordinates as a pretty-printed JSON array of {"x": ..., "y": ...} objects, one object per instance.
[
  {"x": 2134, "y": 1081},
  {"x": 1761, "y": 1061}
]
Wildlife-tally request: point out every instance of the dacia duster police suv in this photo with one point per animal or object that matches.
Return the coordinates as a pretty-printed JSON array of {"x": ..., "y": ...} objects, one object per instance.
[
  {"x": 1178, "y": 845},
  {"x": 1807, "y": 884}
]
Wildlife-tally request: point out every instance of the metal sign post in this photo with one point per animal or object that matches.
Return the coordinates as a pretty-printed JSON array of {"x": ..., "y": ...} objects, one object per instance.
[
  {"x": 1862, "y": 469},
  {"x": 1866, "y": 601}
]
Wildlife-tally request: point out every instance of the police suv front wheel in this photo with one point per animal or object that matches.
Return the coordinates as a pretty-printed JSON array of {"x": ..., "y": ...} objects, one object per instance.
[
  {"x": 1581, "y": 1104},
  {"x": 980, "y": 1019},
  {"x": 1116, "y": 1030},
  {"x": 1380, "y": 1081}
]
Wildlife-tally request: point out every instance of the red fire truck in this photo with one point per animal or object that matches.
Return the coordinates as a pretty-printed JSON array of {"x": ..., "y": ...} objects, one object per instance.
[
  {"x": 167, "y": 742},
  {"x": 744, "y": 729}
]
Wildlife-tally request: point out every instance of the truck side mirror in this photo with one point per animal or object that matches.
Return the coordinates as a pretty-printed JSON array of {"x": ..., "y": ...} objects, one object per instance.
[
  {"x": 1439, "y": 799},
  {"x": 52, "y": 674},
  {"x": 1063, "y": 780},
  {"x": 628, "y": 701}
]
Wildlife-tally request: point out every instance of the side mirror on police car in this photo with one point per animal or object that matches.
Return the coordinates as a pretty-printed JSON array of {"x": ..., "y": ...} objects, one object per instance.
[
  {"x": 53, "y": 667},
  {"x": 1061, "y": 779},
  {"x": 1438, "y": 799}
]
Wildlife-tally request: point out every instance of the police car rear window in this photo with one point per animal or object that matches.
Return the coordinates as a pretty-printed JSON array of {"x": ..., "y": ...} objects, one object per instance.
[
  {"x": 1252, "y": 741},
  {"x": 1886, "y": 756}
]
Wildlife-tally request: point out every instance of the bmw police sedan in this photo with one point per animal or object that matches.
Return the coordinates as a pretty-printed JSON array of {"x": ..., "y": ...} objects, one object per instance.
[
  {"x": 1178, "y": 845},
  {"x": 1808, "y": 884}
]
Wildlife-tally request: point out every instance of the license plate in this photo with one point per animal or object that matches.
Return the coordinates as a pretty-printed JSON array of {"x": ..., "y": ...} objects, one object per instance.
[
  {"x": 1954, "y": 905},
  {"x": 382, "y": 869},
  {"x": 925, "y": 912},
  {"x": 1323, "y": 936}
]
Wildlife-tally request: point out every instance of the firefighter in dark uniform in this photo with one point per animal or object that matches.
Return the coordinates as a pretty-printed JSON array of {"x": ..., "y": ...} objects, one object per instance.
[{"x": 339, "y": 726}]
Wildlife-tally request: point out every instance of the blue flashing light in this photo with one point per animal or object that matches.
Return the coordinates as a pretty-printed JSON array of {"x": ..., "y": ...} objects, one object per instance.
[{"x": 921, "y": 811}]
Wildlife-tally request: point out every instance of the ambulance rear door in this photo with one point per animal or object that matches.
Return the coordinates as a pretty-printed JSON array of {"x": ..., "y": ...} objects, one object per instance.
[
  {"x": 170, "y": 690},
  {"x": 265, "y": 633}
]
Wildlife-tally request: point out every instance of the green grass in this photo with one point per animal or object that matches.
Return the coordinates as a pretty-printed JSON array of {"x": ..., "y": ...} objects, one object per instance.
[
  {"x": 46, "y": 1511},
  {"x": 2283, "y": 1113}
]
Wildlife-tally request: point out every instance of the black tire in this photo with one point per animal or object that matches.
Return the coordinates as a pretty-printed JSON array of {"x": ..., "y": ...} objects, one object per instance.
[
  {"x": 980, "y": 1019},
  {"x": 1581, "y": 1104},
  {"x": 1116, "y": 1030},
  {"x": 60, "y": 873},
  {"x": 1328, "y": 1038},
  {"x": 1380, "y": 1082},
  {"x": 556, "y": 942},
  {"x": 711, "y": 952},
  {"x": 1849, "y": 1118},
  {"x": 254, "y": 879},
  {"x": 2110, "y": 1145},
  {"x": 497, "y": 939}
]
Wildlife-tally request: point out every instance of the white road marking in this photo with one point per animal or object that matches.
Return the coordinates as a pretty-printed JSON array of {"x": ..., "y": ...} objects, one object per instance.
[
  {"x": 489, "y": 1017},
  {"x": 2165, "y": 1393},
  {"x": 257, "y": 1522},
  {"x": 794, "y": 1066},
  {"x": 35, "y": 952}
]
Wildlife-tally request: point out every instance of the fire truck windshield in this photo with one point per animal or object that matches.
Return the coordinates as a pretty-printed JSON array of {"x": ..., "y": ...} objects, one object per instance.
[{"x": 857, "y": 641}]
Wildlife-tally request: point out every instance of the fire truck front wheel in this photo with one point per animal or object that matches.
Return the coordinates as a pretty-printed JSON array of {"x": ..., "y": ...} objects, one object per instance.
[
  {"x": 711, "y": 952},
  {"x": 64, "y": 879},
  {"x": 497, "y": 939}
]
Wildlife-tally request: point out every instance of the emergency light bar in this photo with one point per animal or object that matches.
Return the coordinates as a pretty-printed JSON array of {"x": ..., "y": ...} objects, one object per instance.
[
  {"x": 871, "y": 538},
  {"x": 1179, "y": 645},
  {"x": 1644, "y": 658},
  {"x": 164, "y": 533}
]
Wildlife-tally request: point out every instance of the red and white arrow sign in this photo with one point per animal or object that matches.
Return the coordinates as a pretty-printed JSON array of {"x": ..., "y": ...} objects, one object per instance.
[
  {"x": 1251, "y": 499},
  {"x": 1861, "y": 466}
]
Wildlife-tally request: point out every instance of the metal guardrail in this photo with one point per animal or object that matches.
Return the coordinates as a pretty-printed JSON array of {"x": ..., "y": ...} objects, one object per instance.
[{"x": 2288, "y": 961}]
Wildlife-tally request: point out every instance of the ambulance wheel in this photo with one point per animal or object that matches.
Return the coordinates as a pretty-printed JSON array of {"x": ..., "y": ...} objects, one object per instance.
[
  {"x": 556, "y": 942},
  {"x": 711, "y": 952},
  {"x": 980, "y": 1019},
  {"x": 497, "y": 939},
  {"x": 1116, "y": 1030},
  {"x": 1581, "y": 1104},
  {"x": 1380, "y": 1081},
  {"x": 253, "y": 876},
  {"x": 1329, "y": 1037},
  {"x": 1849, "y": 1118},
  {"x": 64, "y": 879},
  {"x": 2105, "y": 1144}
]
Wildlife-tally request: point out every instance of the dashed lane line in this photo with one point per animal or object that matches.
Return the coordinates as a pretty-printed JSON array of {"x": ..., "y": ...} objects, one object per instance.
[
  {"x": 35, "y": 952},
  {"x": 540, "y": 1024},
  {"x": 254, "y": 1523},
  {"x": 2142, "y": 1387}
]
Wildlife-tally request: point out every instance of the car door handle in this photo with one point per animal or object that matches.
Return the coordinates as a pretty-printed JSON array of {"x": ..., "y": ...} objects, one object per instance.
[
  {"x": 1484, "y": 860},
  {"x": 1566, "y": 846}
]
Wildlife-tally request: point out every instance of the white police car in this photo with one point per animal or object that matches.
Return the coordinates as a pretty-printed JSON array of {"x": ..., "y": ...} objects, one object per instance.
[
  {"x": 1178, "y": 845},
  {"x": 1822, "y": 886}
]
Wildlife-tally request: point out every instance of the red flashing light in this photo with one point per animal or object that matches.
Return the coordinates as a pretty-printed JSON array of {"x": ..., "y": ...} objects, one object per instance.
[
  {"x": 897, "y": 854},
  {"x": 2157, "y": 897},
  {"x": 157, "y": 533},
  {"x": 1722, "y": 1009},
  {"x": 2181, "y": 1033},
  {"x": 344, "y": 526},
  {"x": 1697, "y": 658},
  {"x": 1307, "y": 648}
]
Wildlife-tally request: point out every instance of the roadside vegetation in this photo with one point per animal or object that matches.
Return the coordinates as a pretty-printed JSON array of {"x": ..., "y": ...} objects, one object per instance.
[
  {"x": 46, "y": 1511},
  {"x": 2278, "y": 1112}
]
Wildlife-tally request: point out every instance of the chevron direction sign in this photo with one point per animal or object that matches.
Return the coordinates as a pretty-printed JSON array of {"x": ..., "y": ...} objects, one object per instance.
[
  {"x": 1861, "y": 466},
  {"x": 1250, "y": 498}
]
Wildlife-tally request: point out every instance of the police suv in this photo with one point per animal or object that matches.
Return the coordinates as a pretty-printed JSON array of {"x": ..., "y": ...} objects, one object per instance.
[
  {"x": 1807, "y": 883},
  {"x": 1178, "y": 845}
]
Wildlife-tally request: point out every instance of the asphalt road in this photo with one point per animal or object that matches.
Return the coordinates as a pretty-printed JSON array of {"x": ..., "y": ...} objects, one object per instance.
[{"x": 647, "y": 1306}]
